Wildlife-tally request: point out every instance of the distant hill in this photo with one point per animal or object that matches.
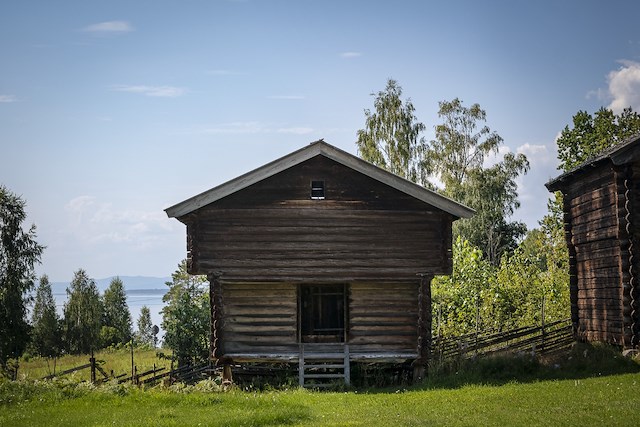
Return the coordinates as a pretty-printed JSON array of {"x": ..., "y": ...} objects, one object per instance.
[{"x": 131, "y": 283}]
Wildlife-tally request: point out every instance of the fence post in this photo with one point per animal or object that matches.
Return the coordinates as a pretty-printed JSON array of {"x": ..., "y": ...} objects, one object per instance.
[
  {"x": 543, "y": 331},
  {"x": 92, "y": 361}
]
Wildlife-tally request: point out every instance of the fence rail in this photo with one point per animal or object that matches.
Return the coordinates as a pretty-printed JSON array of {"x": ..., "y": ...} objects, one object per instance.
[{"x": 543, "y": 339}]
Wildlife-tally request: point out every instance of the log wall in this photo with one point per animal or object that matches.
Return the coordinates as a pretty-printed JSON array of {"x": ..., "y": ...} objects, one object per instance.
[
  {"x": 260, "y": 319},
  {"x": 362, "y": 231},
  {"x": 383, "y": 317},
  {"x": 592, "y": 208}
]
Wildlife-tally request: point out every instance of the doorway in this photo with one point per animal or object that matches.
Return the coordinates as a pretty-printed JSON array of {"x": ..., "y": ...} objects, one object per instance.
[{"x": 322, "y": 313}]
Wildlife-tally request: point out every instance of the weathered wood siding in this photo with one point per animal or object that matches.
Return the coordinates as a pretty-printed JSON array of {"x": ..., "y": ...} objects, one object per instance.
[
  {"x": 383, "y": 317},
  {"x": 364, "y": 230},
  {"x": 592, "y": 204},
  {"x": 259, "y": 318}
]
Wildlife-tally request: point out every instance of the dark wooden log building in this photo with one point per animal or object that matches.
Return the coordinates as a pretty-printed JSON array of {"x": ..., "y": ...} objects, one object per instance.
[
  {"x": 322, "y": 250},
  {"x": 602, "y": 216}
]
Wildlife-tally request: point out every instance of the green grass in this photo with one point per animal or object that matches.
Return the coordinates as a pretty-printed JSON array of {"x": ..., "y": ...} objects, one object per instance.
[
  {"x": 118, "y": 360},
  {"x": 590, "y": 386},
  {"x": 610, "y": 400}
]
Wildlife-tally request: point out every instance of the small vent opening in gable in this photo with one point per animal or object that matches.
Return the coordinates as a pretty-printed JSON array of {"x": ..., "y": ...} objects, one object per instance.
[{"x": 317, "y": 190}]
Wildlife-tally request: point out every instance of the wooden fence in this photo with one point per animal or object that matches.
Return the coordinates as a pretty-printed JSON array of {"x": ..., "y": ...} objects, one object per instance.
[
  {"x": 542, "y": 340},
  {"x": 150, "y": 376}
]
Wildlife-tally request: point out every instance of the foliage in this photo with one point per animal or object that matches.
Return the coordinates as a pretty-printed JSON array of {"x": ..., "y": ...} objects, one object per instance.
[
  {"x": 82, "y": 314},
  {"x": 186, "y": 316},
  {"x": 591, "y": 135},
  {"x": 480, "y": 295},
  {"x": 493, "y": 193},
  {"x": 457, "y": 157},
  {"x": 460, "y": 147},
  {"x": 46, "y": 333},
  {"x": 116, "y": 314},
  {"x": 19, "y": 252},
  {"x": 458, "y": 298},
  {"x": 391, "y": 138},
  {"x": 145, "y": 327}
]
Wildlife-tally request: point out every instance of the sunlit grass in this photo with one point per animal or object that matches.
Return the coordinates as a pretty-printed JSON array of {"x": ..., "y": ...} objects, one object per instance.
[
  {"x": 116, "y": 360},
  {"x": 611, "y": 400}
]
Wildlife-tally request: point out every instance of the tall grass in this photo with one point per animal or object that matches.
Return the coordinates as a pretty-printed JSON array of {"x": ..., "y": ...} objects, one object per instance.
[{"x": 117, "y": 360}]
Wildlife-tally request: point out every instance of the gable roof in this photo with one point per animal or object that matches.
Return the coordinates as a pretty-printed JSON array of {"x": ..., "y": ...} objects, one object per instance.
[
  {"x": 327, "y": 150},
  {"x": 622, "y": 153}
]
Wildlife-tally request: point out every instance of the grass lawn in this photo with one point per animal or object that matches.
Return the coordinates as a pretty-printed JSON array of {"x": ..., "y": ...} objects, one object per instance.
[
  {"x": 590, "y": 387},
  {"x": 606, "y": 400}
]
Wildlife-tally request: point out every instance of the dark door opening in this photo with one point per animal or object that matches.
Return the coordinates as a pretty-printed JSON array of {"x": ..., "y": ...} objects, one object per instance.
[{"x": 322, "y": 313}]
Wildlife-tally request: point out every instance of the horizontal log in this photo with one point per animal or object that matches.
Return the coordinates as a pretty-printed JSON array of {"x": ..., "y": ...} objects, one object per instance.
[
  {"x": 386, "y": 324},
  {"x": 271, "y": 338},
  {"x": 593, "y": 183},
  {"x": 599, "y": 313},
  {"x": 606, "y": 253},
  {"x": 258, "y": 329},
  {"x": 609, "y": 293},
  {"x": 288, "y": 215},
  {"x": 316, "y": 274},
  {"x": 235, "y": 347},
  {"x": 598, "y": 279},
  {"x": 593, "y": 208},
  {"x": 392, "y": 333},
  {"x": 598, "y": 304},
  {"x": 597, "y": 245},
  {"x": 595, "y": 235},
  {"x": 378, "y": 316},
  {"x": 338, "y": 263},
  {"x": 264, "y": 292},
  {"x": 600, "y": 225},
  {"x": 401, "y": 341},
  {"x": 388, "y": 287},
  {"x": 594, "y": 213}
]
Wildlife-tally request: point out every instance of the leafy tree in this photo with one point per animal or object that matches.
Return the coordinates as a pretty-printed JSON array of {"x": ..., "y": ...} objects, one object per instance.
[
  {"x": 591, "y": 135},
  {"x": 391, "y": 138},
  {"x": 45, "y": 335},
  {"x": 457, "y": 158},
  {"x": 82, "y": 314},
  {"x": 145, "y": 327},
  {"x": 186, "y": 316},
  {"x": 116, "y": 314},
  {"x": 458, "y": 299},
  {"x": 19, "y": 252},
  {"x": 460, "y": 146},
  {"x": 493, "y": 193}
]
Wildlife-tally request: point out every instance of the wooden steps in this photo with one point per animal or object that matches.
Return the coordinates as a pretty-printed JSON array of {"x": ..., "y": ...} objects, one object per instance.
[{"x": 320, "y": 365}]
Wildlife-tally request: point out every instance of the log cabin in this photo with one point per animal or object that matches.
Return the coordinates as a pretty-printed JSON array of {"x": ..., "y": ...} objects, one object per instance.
[
  {"x": 601, "y": 205},
  {"x": 319, "y": 255}
]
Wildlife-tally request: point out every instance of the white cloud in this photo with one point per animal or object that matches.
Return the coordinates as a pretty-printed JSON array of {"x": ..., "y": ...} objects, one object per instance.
[
  {"x": 109, "y": 27},
  {"x": 156, "y": 91},
  {"x": 92, "y": 222},
  {"x": 7, "y": 99},
  {"x": 624, "y": 87},
  {"x": 348, "y": 55}
]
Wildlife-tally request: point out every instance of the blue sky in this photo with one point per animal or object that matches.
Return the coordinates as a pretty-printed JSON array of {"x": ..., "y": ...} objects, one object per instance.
[{"x": 112, "y": 111}]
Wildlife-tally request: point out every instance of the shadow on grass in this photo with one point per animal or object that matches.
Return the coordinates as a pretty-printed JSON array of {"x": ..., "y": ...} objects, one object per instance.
[{"x": 580, "y": 362}]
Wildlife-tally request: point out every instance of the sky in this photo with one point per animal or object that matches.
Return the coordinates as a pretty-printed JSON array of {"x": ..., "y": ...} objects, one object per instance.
[{"x": 111, "y": 112}]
